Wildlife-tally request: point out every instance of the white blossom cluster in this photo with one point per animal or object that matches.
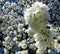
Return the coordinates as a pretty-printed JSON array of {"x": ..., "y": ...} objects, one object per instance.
[
  {"x": 13, "y": 19},
  {"x": 12, "y": 24},
  {"x": 9, "y": 19},
  {"x": 35, "y": 17}
]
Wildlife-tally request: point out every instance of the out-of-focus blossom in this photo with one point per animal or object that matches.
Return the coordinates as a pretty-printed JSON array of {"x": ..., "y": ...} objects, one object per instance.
[
  {"x": 14, "y": 6},
  {"x": 22, "y": 52},
  {"x": 20, "y": 26},
  {"x": 57, "y": 44},
  {"x": 24, "y": 46},
  {"x": 1, "y": 1}
]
